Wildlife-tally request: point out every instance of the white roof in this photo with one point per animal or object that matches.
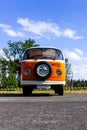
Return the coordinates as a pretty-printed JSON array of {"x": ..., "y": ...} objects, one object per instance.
[{"x": 43, "y": 47}]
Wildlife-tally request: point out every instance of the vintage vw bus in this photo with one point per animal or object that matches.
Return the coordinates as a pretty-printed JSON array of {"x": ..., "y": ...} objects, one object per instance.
[{"x": 43, "y": 66}]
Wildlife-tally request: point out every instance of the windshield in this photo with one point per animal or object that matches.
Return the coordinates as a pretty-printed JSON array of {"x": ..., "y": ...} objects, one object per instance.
[{"x": 43, "y": 53}]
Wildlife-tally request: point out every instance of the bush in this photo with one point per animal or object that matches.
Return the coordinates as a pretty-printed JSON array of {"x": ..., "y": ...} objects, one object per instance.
[
  {"x": 12, "y": 82},
  {"x": 4, "y": 83}
]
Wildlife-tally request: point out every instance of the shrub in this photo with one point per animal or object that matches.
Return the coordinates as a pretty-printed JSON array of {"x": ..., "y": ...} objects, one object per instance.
[{"x": 12, "y": 82}]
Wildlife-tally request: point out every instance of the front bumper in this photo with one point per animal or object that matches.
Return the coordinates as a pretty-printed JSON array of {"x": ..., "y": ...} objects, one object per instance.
[{"x": 26, "y": 82}]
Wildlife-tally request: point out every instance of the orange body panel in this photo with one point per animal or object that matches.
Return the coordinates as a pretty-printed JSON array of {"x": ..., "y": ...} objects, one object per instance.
[{"x": 55, "y": 65}]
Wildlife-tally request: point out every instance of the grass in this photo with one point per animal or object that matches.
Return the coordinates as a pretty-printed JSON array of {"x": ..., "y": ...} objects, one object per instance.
[
  {"x": 65, "y": 91},
  {"x": 76, "y": 91},
  {"x": 20, "y": 91},
  {"x": 10, "y": 92},
  {"x": 43, "y": 91}
]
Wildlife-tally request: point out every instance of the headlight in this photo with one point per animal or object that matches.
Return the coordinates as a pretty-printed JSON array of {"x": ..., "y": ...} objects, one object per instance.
[
  {"x": 27, "y": 72},
  {"x": 58, "y": 72}
]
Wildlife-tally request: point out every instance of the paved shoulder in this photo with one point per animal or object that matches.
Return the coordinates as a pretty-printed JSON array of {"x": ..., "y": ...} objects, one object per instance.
[{"x": 43, "y": 98}]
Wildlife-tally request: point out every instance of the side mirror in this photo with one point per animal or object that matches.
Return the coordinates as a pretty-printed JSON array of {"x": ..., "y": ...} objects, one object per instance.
[{"x": 66, "y": 60}]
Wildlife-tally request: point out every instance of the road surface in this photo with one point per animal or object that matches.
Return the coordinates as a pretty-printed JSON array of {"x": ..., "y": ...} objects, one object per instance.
[{"x": 43, "y": 112}]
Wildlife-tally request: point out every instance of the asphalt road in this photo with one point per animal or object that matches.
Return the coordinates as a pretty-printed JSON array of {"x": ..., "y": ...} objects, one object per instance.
[{"x": 43, "y": 112}]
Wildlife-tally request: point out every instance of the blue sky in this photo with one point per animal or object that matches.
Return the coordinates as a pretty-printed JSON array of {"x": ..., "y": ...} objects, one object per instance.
[{"x": 58, "y": 23}]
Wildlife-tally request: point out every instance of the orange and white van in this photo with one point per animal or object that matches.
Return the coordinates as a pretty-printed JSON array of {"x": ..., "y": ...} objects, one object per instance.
[{"x": 43, "y": 66}]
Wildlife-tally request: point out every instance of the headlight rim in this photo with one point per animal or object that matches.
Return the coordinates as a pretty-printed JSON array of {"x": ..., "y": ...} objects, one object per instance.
[
  {"x": 27, "y": 72},
  {"x": 59, "y": 72}
]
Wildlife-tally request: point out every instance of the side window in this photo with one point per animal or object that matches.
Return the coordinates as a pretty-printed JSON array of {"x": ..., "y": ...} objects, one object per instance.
[
  {"x": 59, "y": 55},
  {"x": 26, "y": 55}
]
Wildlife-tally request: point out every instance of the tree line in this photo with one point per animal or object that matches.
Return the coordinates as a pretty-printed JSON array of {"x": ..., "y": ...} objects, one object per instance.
[{"x": 76, "y": 84}]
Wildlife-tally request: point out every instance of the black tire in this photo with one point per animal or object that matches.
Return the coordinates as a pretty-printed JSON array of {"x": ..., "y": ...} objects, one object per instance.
[
  {"x": 27, "y": 90},
  {"x": 59, "y": 89},
  {"x": 44, "y": 65}
]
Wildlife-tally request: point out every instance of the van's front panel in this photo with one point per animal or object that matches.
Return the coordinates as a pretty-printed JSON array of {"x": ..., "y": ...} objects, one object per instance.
[{"x": 57, "y": 75}]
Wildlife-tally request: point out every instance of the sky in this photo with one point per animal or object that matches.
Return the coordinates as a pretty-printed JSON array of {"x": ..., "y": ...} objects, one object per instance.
[{"x": 58, "y": 23}]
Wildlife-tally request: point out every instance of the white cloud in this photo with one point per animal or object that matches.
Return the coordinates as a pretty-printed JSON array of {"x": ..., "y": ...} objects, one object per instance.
[
  {"x": 44, "y": 29},
  {"x": 79, "y": 71},
  {"x": 76, "y": 54},
  {"x": 3, "y": 26},
  {"x": 78, "y": 62},
  {"x": 13, "y": 33},
  {"x": 72, "y": 55},
  {"x": 71, "y": 34},
  {"x": 8, "y": 29},
  {"x": 38, "y": 29},
  {"x": 77, "y": 50}
]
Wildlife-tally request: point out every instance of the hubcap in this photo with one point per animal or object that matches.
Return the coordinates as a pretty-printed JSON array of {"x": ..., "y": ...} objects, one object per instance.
[{"x": 43, "y": 70}]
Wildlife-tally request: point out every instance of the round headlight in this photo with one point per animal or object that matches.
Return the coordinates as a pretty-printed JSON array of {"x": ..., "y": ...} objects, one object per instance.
[
  {"x": 58, "y": 72},
  {"x": 27, "y": 72}
]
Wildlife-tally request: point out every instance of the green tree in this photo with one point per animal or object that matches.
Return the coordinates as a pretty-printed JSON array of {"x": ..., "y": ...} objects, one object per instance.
[
  {"x": 80, "y": 83},
  {"x": 3, "y": 72},
  {"x": 16, "y": 49},
  {"x": 11, "y": 64}
]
